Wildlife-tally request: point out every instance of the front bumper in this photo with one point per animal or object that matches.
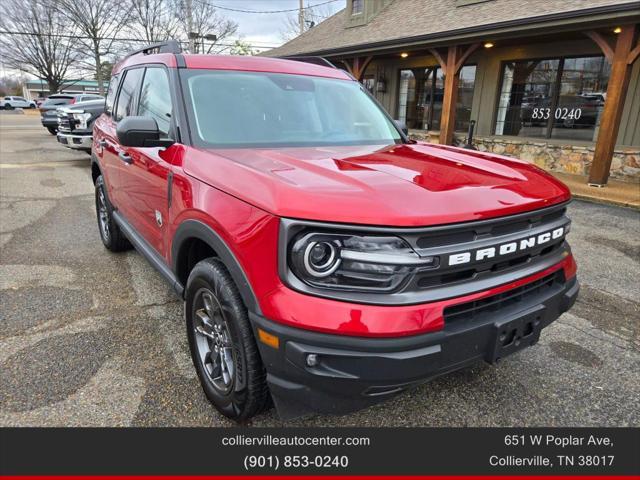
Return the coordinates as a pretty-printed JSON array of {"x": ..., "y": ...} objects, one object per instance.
[
  {"x": 354, "y": 372},
  {"x": 78, "y": 142},
  {"x": 49, "y": 121}
]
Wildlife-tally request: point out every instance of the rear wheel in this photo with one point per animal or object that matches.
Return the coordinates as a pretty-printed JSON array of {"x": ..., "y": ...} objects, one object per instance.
[
  {"x": 110, "y": 234},
  {"x": 52, "y": 130},
  {"x": 8, "y": 106},
  {"x": 223, "y": 348}
]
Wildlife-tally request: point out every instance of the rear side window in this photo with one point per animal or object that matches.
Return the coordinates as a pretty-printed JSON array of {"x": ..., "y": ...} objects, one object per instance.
[
  {"x": 111, "y": 94},
  {"x": 125, "y": 105},
  {"x": 155, "y": 98}
]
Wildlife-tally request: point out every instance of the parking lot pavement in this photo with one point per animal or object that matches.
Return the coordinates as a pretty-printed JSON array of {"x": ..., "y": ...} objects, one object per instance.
[{"x": 96, "y": 339}]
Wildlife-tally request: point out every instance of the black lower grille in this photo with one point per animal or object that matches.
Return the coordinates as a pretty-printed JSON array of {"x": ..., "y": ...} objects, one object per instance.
[{"x": 470, "y": 311}]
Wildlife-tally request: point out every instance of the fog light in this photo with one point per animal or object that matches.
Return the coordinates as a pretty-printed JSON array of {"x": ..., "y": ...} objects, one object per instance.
[{"x": 312, "y": 360}]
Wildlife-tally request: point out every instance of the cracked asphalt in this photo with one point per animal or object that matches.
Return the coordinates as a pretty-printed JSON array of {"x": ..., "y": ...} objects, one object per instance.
[{"x": 90, "y": 338}]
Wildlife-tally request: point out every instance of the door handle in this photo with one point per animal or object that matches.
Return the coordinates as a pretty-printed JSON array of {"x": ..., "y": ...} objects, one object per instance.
[
  {"x": 103, "y": 143},
  {"x": 126, "y": 158}
]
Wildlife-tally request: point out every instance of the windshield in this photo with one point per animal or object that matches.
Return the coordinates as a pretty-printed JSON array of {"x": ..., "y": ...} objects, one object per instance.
[{"x": 253, "y": 109}]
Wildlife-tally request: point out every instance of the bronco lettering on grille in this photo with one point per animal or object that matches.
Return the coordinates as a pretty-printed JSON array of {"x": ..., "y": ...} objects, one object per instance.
[{"x": 506, "y": 248}]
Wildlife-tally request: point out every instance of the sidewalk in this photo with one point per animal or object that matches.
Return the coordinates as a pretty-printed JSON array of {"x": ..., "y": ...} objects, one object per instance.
[{"x": 624, "y": 194}]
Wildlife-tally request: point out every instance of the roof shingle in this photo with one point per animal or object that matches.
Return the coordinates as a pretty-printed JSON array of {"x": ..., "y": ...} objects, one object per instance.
[{"x": 412, "y": 18}]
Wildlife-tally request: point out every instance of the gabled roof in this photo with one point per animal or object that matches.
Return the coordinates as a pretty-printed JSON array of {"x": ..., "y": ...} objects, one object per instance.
[{"x": 432, "y": 19}]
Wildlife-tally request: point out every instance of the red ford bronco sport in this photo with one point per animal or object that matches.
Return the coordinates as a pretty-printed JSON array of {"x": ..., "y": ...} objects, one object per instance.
[{"x": 326, "y": 261}]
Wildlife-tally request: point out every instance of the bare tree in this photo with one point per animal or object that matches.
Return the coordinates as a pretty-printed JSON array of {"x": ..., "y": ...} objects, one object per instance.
[
  {"x": 43, "y": 48},
  {"x": 154, "y": 20},
  {"x": 99, "y": 22},
  {"x": 205, "y": 21},
  {"x": 311, "y": 16}
]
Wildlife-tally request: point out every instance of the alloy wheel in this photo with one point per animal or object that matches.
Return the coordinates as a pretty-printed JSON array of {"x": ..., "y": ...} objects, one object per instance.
[
  {"x": 213, "y": 340},
  {"x": 103, "y": 214}
]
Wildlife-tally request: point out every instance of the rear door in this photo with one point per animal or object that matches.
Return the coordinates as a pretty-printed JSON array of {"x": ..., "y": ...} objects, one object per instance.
[
  {"x": 104, "y": 139},
  {"x": 145, "y": 180},
  {"x": 114, "y": 156}
]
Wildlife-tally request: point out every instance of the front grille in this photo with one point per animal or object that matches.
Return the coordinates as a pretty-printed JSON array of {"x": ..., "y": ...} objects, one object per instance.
[
  {"x": 524, "y": 295},
  {"x": 441, "y": 242}
]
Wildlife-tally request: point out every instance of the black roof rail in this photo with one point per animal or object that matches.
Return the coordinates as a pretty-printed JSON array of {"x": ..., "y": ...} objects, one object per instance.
[
  {"x": 323, "y": 62},
  {"x": 169, "y": 46}
]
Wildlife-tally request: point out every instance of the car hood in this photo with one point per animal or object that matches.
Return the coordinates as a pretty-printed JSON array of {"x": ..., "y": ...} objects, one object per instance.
[
  {"x": 88, "y": 106},
  {"x": 399, "y": 185}
]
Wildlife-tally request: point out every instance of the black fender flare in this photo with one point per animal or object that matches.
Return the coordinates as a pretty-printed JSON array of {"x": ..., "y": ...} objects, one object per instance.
[
  {"x": 190, "y": 229},
  {"x": 96, "y": 162}
]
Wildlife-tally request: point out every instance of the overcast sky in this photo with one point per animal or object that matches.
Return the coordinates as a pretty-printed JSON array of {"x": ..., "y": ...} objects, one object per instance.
[{"x": 264, "y": 29}]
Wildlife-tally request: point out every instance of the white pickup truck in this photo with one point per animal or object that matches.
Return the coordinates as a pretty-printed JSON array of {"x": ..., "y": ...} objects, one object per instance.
[{"x": 9, "y": 103}]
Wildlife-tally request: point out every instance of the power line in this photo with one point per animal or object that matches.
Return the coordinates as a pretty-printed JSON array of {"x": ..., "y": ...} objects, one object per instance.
[
  {"x": 268, "y": 11},
  {"x": 116, "y": 39}
]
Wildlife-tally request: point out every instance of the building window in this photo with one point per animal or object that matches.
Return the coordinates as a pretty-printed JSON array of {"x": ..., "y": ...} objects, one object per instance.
[
  {"x": 420, "y": 97},
  {"x": 369, "y": 82},
  {"x": 357, "y": 7},
  {"x": 559, "y": 98}
]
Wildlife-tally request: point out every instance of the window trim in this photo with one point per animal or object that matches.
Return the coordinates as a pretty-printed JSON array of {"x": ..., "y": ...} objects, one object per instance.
[{"x": 549, "y": 128}]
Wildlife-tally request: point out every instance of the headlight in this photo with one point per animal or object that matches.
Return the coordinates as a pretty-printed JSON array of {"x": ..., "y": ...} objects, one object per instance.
[
  {"x": 355, "y": 262},
  {"x": 82, "y": 118}
]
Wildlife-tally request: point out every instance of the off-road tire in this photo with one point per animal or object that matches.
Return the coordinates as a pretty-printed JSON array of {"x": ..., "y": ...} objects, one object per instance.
[
  {"x": 112, "y": 238},
  {"x": 249, "y": 393}
]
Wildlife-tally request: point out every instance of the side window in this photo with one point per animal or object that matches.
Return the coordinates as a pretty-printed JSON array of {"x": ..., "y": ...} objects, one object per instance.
[
  {"x": 126, "y": 99},
  {"x": 111, "y": 94},
  {"x": 155, "y": 98}
]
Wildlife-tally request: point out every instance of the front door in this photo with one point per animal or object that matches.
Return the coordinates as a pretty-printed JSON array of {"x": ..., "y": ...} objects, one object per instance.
[{"x": 146, "y": 178}]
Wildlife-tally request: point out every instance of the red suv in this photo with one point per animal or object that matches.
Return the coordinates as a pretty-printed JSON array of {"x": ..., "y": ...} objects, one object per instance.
[{"x": 326, "y": 261}]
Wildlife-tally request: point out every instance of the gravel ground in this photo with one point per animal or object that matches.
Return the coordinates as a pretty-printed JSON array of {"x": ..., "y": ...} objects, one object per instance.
[{"x": 90, "y": 338}]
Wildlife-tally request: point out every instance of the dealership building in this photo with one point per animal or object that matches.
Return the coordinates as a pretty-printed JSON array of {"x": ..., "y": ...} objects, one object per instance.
[
  {"x": 33, "y": 89},
  {"x": 556, "y": 82}
]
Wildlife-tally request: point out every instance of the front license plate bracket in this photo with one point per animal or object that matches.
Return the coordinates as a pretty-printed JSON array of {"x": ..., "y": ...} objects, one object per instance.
[{"x": 513, "y": 334}]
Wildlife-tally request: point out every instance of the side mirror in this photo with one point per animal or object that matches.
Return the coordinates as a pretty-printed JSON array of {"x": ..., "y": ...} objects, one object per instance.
[
  {"x": 402, "y": 126},
  {"x": 140, "y": 132}
]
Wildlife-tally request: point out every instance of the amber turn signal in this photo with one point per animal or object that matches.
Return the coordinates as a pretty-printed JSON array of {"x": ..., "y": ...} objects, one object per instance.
[{"x": 268, "y": 339}]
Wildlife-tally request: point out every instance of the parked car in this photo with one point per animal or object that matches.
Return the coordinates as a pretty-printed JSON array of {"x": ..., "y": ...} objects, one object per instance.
[
  {"x": 75, "y": 124},
  {"x": 9, "y": 103},
  {"x": 48, "y": 114},
  {"x": 325, "y": 260}
]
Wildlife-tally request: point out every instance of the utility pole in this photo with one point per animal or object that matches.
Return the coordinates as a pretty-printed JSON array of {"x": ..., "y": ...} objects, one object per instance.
[
  {"x": 189, "y": 12},
  {"x": 301, "y": 17}
]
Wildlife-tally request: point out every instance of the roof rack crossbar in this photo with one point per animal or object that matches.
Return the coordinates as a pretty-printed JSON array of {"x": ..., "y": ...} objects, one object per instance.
[
  {"x": 323, "y": 62},
  {"x": 169, "y": 46}
]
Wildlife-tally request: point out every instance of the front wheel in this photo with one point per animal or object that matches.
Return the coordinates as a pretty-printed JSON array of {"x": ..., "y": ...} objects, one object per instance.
[
  {"x": 223, "y": 348},
  {"x": 52, "y": 130}
]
